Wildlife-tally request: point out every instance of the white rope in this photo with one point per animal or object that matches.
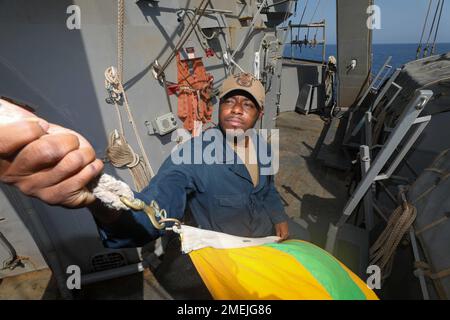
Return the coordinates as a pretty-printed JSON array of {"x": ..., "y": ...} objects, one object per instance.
[
  {"x": 136, "y": 133},
  {"x": 229, "y": 60},
  {"x": 116, "y": 80},
  {"x": 112, "y": 85},
  {"x": 109, "y": 190},
  {"x": 120, "y": 37},
  {"x": 194, "y": 239},
  {"x": 119, "y": 151}
]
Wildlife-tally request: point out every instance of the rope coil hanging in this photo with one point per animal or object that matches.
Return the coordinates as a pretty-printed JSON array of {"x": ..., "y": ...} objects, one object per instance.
[
  {"x": 119, "y": 152},
  {"x": 383, "y": 250}
]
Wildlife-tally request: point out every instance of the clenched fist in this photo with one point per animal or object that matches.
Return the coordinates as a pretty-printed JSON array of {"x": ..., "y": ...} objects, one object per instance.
[{"x": 44, "y": 160}]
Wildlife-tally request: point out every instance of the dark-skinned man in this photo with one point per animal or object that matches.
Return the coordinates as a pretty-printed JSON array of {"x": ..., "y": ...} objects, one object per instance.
[{"x": 224, "y": 196}]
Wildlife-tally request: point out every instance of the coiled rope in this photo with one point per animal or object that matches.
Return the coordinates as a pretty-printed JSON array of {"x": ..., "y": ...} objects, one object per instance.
[
  {"x": 383, "y": 250},
  {"x": 119, "y": 152}
]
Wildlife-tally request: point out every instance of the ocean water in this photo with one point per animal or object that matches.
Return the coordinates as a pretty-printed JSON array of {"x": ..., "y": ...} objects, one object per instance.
[{"x": 401, "y": 53}]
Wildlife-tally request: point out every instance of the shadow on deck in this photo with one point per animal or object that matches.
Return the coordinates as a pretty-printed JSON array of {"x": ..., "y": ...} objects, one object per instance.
[{"x": 314, "y": 195}]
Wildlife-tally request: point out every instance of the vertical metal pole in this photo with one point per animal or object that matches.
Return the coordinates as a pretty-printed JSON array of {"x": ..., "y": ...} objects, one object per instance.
[
  {"x": 324, "y": 37},
  {"x": 292, "y": 50},
  {"x": 368, "y": 129},
  {"x": 368, "y": 200},
  {"x": 418, "y": 273}
]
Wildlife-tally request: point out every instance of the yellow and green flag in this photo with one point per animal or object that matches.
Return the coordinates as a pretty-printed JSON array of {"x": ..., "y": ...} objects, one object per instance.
[{"x": 289, "y": 270}]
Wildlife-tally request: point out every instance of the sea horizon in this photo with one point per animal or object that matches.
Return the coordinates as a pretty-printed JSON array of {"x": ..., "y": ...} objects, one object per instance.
[{"x": 401, "y": 53}]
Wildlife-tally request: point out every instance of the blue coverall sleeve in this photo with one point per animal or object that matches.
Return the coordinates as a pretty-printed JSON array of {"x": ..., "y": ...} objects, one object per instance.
[
  {"x": 272, "y": 204},
  {"x": 169, "y": 188}
]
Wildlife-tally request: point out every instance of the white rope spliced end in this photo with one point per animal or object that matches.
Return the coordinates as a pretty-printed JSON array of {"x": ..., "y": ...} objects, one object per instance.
[
  {"x": 194, "y": 239},
  {"x": 109, "y": 190}
]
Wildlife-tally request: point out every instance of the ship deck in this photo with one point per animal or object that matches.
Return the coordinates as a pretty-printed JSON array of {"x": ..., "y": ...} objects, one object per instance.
[{"x": 313, "y": 195}]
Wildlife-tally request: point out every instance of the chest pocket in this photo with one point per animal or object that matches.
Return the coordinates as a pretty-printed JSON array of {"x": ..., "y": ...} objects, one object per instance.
[{"x": 231, "y": 200}]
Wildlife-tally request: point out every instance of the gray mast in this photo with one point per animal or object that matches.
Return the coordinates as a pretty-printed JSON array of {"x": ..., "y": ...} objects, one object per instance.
[{"x": 355, "y": 44}]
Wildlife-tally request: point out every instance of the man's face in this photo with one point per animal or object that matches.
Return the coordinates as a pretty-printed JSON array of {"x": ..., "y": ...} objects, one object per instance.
[{"x": 238, "y": 111}]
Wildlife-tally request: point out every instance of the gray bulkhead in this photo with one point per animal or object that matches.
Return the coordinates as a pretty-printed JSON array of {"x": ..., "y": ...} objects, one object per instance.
[{"x": 60, "y": 73}]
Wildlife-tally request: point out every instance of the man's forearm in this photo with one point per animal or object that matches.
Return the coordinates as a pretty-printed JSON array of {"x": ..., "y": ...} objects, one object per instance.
[{"x": 102, "y": 214}]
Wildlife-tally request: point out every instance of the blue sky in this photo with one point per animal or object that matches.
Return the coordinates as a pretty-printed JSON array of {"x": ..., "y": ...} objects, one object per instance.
[{"x": 401, "y": 20}]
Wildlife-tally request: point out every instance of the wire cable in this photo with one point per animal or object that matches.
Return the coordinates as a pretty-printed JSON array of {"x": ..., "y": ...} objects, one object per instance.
[
  {"x": 301, "y": 19},
  {"x": 433, "y": 48},
  {"x": 419, "y": 47},
  {"x": 425, "y": 51},
  {"x": 312, "y": 18}
]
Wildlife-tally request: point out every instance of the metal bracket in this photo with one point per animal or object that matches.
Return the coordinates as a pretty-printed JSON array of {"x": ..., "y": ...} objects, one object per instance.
[
  {"x": 371, "y": 87},
  {"x": 379, "y": 97},
  {"x": 421, "y": 123},
  {"x": 406, "y": 120}
]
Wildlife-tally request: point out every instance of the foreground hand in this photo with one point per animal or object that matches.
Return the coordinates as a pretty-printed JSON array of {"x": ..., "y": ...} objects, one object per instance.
[
  {"x": 46, "y": 161},
  {"x": 282, "y": 230}
]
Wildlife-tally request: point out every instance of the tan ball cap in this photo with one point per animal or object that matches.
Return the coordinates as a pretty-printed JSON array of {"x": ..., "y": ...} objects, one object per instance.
[{"x": 246, "y": 82}]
